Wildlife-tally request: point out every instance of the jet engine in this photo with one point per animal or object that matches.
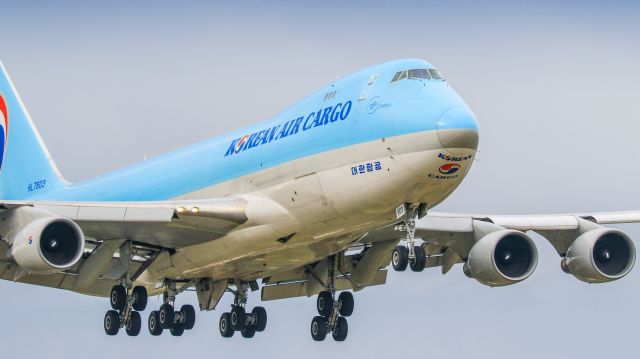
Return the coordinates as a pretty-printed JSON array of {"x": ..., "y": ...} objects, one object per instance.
[
  {"x": 45, "y": 244},
  {"x": 502, "y": 258},
  {"x": 600, "y": 255}
]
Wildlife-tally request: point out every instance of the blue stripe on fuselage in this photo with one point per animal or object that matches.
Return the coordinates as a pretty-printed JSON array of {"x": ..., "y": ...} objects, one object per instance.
[{"x": 390, "y": 109}]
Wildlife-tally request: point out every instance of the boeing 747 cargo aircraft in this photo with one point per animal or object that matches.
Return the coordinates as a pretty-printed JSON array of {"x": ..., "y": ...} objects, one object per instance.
[{"x": 318, "y": 201}]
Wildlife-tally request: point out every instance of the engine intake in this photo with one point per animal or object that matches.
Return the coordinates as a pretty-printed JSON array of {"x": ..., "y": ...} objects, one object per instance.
[
  {"x": 502, "y": 258},
  {"x": 48, "y": 245},
  {"x": 60, "y": 243},
  {"x": 600, "y": 255}
]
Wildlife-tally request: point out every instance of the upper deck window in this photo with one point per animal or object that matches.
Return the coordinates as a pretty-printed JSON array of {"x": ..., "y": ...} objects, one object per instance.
[{"x": 424, "y": 74}]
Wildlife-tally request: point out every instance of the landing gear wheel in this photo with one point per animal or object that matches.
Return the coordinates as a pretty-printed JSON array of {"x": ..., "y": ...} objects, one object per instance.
[
  {"x": 400, "y": 258},
  {"x": 418, "y": 264},
  {"x": 154, "y": 323},
  {"x": 238, "y": 318},
  {"x": 248, "y": 332},
  {"x": 341, "y": 331},
  {"x": 166, "y": 316},
  {"x": 324, "y": 303},
  {"x": 347, "y": 303},
  {"x": 140, "y": 298},
  {"x": 319, "y": 328},
  {"x": 177, "y": 330},
  {"x": 134, "y": 325},
  {"x": 190, "y": 313},
  {"x": 111, "y": 322},
  {"x": 261, "y": 318},
  {"x": 225, "y": 325},
  {"x": 118, "y": 297}
]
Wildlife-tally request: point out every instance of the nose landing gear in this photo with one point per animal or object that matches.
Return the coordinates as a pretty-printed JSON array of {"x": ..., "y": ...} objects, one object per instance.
[{"x": 409, "y": 255}]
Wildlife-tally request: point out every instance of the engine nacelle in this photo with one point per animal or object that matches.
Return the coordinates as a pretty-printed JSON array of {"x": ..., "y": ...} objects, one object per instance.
[
  {"x": 600, "y": 255},
  {"x": 502, "y": 258},
  {"x": 47, "y": 245}
]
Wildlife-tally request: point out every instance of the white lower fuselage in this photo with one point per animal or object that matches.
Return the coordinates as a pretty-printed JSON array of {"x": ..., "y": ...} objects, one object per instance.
[{"x": 329, "y": 201}]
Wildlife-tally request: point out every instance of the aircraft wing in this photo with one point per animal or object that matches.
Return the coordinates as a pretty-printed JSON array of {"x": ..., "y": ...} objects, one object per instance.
[
  {"x": 166, "y": 224},
  {"x": 143, "y": 231},
  {"x": 449, "y": 237}
]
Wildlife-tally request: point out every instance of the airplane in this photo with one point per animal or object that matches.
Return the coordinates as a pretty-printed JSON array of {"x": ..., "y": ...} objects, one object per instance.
[{"x": 318, "y": 201}]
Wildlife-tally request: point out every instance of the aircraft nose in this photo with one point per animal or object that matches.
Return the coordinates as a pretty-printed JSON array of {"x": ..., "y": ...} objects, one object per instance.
[{"x": 458, "y": 129}]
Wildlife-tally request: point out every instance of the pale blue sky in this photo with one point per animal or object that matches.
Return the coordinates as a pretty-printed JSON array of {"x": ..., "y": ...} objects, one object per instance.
[{"x": 555, "y": 89}]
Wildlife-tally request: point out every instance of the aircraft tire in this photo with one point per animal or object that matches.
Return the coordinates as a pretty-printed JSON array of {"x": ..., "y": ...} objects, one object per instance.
[
  {"x": 111, "y": 322},
  {"x": 134, "y": 325},
  {"x": 166, "y": 316},
  {"x": 248, "y": 332},
  {"x": 261, "y": 318},
  {"x": 346, "y": 303},
  {"x": 118, "y": 297},
  {"x": 341, "y": 331},
  {"x": 319, "y": 328},
  {"x": 400, "y": 258},
  {"x": 324, "y": 303},
  {"x": 419, "y": 263},
  {"x": 238, "y": 318},
  {"x": 141, "y": 298},
  {"x": 154, "y": 323},
  {"x": 225, "y": 325},
  {"x": 190, "y": 313},
  {"x": 177, "y": 330}
]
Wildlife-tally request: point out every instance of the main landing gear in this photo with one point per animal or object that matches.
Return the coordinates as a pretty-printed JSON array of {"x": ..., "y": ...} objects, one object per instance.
[
  {"x": 332, "y": 312},
  {"x": 126, "y": 307},
  {"x": 332, "y": 318},
  {"x": 166, "y": 317},
  {"x": 409, "y": 255},
  {"x": 238, "y": 320}
]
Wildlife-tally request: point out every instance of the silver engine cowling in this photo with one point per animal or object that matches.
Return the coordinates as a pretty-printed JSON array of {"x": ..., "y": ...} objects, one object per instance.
[
  {"x": 600, "y": 255},
  {"x": 502, "y": 258},
  {"x": 42, "y": 242}
]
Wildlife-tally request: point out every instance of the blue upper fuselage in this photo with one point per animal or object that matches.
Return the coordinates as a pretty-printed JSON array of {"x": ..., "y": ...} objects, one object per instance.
[{"x": 362, "y": 107}]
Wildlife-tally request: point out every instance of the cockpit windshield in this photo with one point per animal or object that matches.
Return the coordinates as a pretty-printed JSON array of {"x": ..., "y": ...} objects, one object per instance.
[
  {"x": 421, "y": 74},
  {"x": 435, "y": 74}
]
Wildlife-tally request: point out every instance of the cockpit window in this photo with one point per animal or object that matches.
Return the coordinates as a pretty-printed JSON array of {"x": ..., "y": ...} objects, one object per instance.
[
  {"x": 436, "y": 74},
  {"x": 419, "y": 74},
  {"x": 424, "y": 74}
]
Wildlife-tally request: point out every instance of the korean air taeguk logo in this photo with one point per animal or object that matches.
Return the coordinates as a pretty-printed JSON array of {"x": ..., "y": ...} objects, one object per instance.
[
  {"x": 449, "y": 168},
  {"x": 4, "y": 127}
]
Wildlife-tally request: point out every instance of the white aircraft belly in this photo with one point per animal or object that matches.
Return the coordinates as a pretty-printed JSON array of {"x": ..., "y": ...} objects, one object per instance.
[{"x": 329, "y": 206}]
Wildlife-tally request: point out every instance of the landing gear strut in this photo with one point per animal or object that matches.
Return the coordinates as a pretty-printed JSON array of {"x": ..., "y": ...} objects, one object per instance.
[
  {"x": 126, "y": 305},
  {"x": 332, "y": 312},
  {"x": 238, "y": 320},
  {"x": 127, "y": 301},
  {"x": 167, "y": 317},
  {"x": 409, "y": 255}
]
